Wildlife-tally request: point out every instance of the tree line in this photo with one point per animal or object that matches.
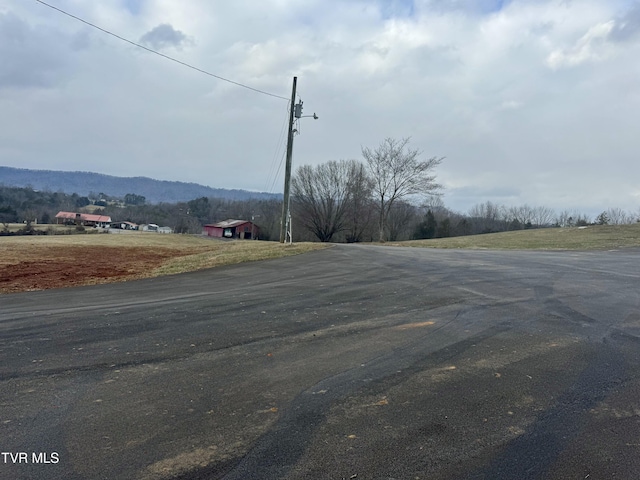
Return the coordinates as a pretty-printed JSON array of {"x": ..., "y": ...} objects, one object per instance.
[
  {"x": 346, "y": 198},
  {"x": 390, "y": 195},
  {"x": 39, "y": 207}
]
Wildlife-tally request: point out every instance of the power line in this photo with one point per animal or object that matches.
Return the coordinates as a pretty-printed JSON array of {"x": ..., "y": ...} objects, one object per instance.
[
  {"x": 161, "y": 54},
  {"x": 273, "y": 177},
  {"x": 277, "y": 175}
]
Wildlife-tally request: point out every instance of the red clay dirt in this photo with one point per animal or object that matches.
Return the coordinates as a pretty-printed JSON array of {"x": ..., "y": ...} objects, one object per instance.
[{"x": 57, "y": 266}]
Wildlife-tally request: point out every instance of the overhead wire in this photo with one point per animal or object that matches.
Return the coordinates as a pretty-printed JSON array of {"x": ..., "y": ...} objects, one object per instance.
[
  {"x": 277, "y": 174},
  {"x": 273, "y": 167},
  {"x": 160, "y": 54},
  {"x": 273, "y": 176}
]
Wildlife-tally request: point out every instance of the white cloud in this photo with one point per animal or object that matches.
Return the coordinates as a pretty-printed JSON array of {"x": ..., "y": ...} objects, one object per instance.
[
  {"x": 592, "y": 46},
  {"x": 537, "y": 99}
]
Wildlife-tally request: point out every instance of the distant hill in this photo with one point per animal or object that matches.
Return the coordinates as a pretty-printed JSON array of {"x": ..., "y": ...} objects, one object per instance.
[{"x": 155, "y": 191}]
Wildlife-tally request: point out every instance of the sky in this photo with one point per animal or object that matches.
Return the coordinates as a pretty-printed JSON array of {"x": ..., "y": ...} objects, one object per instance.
[{"x": 529, "y": 101}]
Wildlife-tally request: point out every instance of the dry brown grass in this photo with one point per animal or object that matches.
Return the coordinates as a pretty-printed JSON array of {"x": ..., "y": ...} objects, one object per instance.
[
  {"x": 594, "y": 237},
  {"x": 227, "y": 253},
  {"x": 42, "y": 262}
]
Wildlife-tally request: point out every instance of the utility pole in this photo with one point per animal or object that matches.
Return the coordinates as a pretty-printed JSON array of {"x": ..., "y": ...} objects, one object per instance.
[
  {"x": 285, "y": 225},
  {"x": 296, "y": 111}
]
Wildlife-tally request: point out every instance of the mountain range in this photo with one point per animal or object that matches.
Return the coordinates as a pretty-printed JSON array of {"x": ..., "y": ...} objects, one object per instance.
[{"x": 154, "y": 191}]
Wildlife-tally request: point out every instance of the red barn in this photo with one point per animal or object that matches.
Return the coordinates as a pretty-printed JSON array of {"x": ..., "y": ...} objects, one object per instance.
[{"x": 241, "y": 229}]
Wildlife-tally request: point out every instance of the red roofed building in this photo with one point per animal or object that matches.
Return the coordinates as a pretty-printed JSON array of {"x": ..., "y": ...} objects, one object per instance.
[
  {"x": 86, "y": 219},
  {"x": 242, "y": 229}
]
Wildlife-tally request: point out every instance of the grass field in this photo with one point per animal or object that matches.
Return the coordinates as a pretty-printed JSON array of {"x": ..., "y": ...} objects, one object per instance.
[
  {"x": 49, "y": 228},
  {"x": 53, "y": 261},
  {"x": 50, "y": 261},
  {"x": 190, "y": 251},
  {"x": 595, "y": 237}
]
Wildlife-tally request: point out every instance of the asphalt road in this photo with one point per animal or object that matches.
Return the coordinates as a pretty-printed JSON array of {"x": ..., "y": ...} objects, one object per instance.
[{"x": 352, "y": 362}]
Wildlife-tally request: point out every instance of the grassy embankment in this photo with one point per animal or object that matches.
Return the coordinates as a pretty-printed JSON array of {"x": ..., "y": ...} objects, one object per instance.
[
  {"x": 51, "y": 261},
  {"x": 180, "y": 253},
  {"x": 594, "y": 237}
]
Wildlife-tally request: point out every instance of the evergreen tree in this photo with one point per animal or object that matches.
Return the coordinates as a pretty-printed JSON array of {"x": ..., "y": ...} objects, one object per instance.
[
  {"x": 426, "y": 228},
  {"x": 602, "y": 219}
]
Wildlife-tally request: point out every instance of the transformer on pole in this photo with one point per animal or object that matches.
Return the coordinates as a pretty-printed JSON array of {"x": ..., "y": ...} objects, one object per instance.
[
  {"x": 285, "y": 224},
  {"x": 286, "y": 235}
]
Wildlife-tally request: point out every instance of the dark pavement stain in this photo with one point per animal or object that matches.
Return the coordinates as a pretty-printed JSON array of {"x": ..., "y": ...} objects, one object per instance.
[
  {"x": 531, "y": 455},
  {"x": 289, "y": 439}
]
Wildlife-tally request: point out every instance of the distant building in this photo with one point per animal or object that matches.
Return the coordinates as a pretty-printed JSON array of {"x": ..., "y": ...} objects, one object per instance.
[
  {"x": 240, "y": 229},
  {"x": 152, "y": 227},
  {"x": 124, "y": 225},
  {"x": 86, "y": 219}
]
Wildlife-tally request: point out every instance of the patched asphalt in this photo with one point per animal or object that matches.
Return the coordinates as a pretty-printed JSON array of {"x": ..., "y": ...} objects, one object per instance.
[{"x": 355, "y": 362}]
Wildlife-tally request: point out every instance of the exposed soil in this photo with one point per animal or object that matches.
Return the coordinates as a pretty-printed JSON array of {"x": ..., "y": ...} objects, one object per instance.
[{"x": 59, "y": 266}]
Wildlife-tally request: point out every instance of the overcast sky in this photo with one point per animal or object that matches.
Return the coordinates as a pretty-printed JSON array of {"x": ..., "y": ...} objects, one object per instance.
[{"x": 533, "y": 102}]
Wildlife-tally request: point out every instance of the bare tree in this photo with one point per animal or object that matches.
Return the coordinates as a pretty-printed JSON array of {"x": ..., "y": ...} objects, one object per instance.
[
  {"x": 321, "y": 196},
  {"x": 266, "y": 214},
  {"x": 582, "y": 220},
  {"x": 489, "y": 211},
  {"x": 617, "y": 216},
  {"x": 564, "y": 219},
  {"x": 397, "y": 173},
  {"x": 360, "y": 206},
  {"x": 542, "y": 216},
  {"x": 572, "y": 219},
  {"x": 435, "y": 204},
  {"x": 523, "y": 215},
  {"x": 402, "y": 221},
  {"x": 489, "y": 217}
]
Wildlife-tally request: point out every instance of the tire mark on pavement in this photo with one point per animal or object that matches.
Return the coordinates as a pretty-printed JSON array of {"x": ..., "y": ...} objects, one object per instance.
[
  {"x": 276, "y": 452},
  {"x": 532, "y": 455}
]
